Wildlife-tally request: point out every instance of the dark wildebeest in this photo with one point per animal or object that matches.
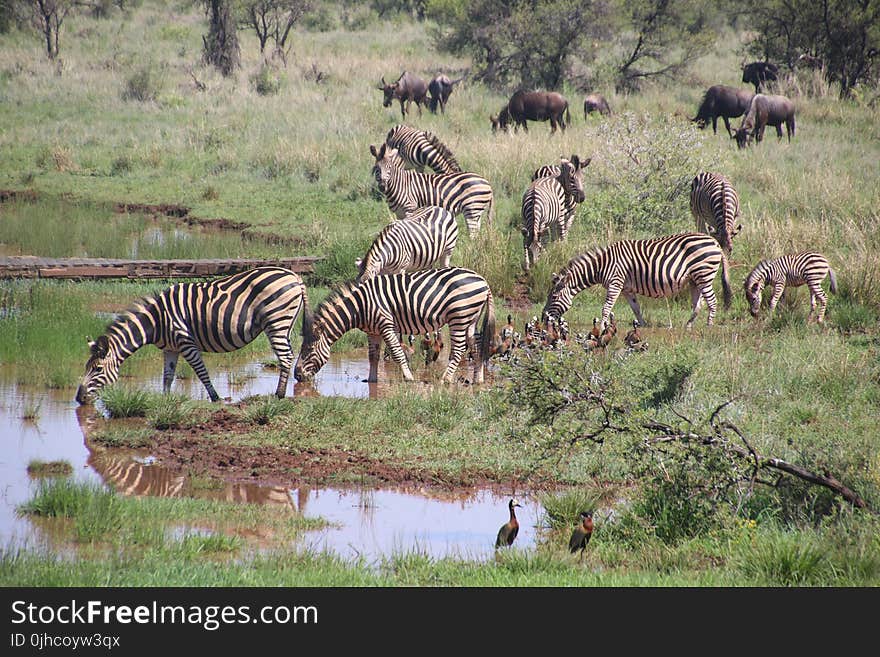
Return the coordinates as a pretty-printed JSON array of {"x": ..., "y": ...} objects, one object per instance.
[
  {"x": 408, "y": 88},
  {"x": 764, "y": 111},
  {"x": 596, "y": 103},
  {"x": 526, "y": 106},
  {"x": 758, "y": 73},
  {"x": 439, "y": 90},
  {"x": 726, "y": 102}
]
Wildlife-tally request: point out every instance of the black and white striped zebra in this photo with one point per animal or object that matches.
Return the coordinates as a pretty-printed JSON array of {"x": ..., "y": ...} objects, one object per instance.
[
  {"x": 423, "y": 238},
  {"x": 411, "y": 303},
  {"x": 190, "y": 318},
  {"x": 420, "y": 149},
  {"x": 406, "y": 191},
  {"x": 652, "y": 267},
  {"x": 715, "y": 207},
  {"x": 808, "y": 268},
  {"x": 551, "y": 202}
]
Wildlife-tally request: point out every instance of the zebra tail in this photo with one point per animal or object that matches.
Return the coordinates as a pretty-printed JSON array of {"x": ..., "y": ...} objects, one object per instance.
[
  {"x": 567, "y": 115},
  {"x": 725, "y": 281},
  {"x": 833, "y": 277},
  {"x": 488, "y": 328}
]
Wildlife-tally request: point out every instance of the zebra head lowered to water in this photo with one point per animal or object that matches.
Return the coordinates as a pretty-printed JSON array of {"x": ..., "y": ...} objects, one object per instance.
[
  {"x": 653, "y": 267},
  {"x": 410, "y": 303},
  {"x": 190, "y": 318},
  {"x": 406, "y": 191}
]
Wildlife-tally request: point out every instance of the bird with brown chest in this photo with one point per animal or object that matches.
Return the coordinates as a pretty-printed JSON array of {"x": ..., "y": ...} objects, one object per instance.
[
  {"x": 510, "y": 529},
  {"x": 608, "y": 332},
  {"x": 582, "y": 533}
]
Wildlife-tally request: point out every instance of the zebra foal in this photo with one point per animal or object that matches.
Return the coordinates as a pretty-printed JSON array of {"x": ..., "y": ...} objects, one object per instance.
[
  {"x": 808, "y": 268},
  {"x": 655, "y": 268},
  {"x": 424, "y": 237},
  {"x": 406, "y": 191},
  {"x": 411, "y": 303},
  {"x": 715, "y": 208},
  {"x": 421, "y": 149},
  {"x": 551, "y": 201},
  {"x": 190, "y": 318}
]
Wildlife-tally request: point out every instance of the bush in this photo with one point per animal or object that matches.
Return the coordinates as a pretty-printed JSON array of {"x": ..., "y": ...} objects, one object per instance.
[
  {"x": 144, "y": 85},
  {"x": 119, "y": 401},
  {"x": 169, "y": 411},
  {"x": 266, "y": 81}
]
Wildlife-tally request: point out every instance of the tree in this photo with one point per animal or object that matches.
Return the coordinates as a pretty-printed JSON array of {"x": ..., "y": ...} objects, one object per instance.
[
  {"x": 221, "y": 43},
  {"x": 273, "y": 19},
  {"x": 526, "y": 42},
  {"x": 843, "y": 34},
  {"x": 47, "y": 16},
  {"x": 660, "y": 38}
]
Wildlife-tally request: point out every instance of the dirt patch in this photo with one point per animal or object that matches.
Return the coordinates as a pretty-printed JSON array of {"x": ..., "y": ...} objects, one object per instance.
[
  {"x": 164, "y": 209},
  {"x": 190, "y": 452},
  {"x": 519, "y": 301}
]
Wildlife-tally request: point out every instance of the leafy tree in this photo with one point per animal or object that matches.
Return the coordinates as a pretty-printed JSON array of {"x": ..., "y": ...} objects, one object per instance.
[
  {"x": 659, "y": 38},
  {"x": 273, "y": 19},
  {"x": 843, "y": 34}
]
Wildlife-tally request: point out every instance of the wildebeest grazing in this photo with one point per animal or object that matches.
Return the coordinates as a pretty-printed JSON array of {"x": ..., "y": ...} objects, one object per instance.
[
  {"x": 596, "y": 103},
  {"x": 439, "y": 90},
  {"x": 759, "y": 73},
  {"x": 526, "y": 106},
  {"x": 726, "y": 102},
  {"x": 764, "y": 111},
  {"x": 409, "y": 88}
]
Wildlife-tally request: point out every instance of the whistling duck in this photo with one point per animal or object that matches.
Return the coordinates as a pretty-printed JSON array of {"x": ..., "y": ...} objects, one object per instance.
[
  {"x": 608, "y": 332},
  {"x": 582, "y": 533},
  {"x": 510, "y": 529},
  {"x": 633, "y": 337}
]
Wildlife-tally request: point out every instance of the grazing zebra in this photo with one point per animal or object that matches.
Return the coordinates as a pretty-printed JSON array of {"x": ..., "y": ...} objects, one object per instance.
[
  {"x": 412, "y": 303},
  {"x": 416, "y": 242},
  {"x": 715, "y": 207},
  {"x": 188, "y": 318},
  {"x": 420, "y": 148},
  {"x": 551, "y": 202},
  {"x": 406, "y": 191},
  {"x": 808, "y": 268},
  {"x": 654, "y": 268}
]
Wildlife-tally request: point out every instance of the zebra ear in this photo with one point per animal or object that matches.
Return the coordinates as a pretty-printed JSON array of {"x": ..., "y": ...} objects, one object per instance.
[
  {"x": 738, "y": 229},
  {"x": 100, "y": 347},
  {"x": 575, "y": 162},
  {"x": 373, "y": 151},
  {"x": 555, "y": 277},
  {"x": 586, "y": 163},
  {"x": 710, "y": 229}
]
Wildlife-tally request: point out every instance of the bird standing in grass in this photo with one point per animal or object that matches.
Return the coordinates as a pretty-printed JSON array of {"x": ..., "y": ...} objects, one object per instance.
[
  {"x": 582, "y": 533},
  {"x": 510, "y": 529}
]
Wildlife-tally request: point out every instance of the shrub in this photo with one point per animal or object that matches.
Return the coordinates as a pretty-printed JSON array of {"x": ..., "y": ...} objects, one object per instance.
[
  {"x": 119, "y": 401},
  {"x": 266, "y": 81},
  {"x": 263, "y": 410},
  {"x": 169, "y": 411},
  {"x": 143, "y": 85}
]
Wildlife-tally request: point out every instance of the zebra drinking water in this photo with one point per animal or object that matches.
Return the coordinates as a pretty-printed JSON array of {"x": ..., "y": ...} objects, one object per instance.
[
  {"x": 412, "y": 303},
  {"x": 190, "y": 318},
  {"x": 653, "y": 267},
  {"x": 406, "y": 191},
  {"x": 808, "y": 268}
]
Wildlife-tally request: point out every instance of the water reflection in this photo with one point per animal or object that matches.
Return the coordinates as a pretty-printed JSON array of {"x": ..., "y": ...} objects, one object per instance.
[{"x": 364, "y": 522}]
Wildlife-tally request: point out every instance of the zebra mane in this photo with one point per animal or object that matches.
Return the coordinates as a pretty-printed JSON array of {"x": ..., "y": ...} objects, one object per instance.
[
  {"x": 337, "y": 293},
  {"x": 434, "y": 140}
]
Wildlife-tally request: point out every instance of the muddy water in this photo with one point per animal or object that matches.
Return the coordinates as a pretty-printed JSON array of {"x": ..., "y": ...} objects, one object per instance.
[{"x": 366, "y": 523}]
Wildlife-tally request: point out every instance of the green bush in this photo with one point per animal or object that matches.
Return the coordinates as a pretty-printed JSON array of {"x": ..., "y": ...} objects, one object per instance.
[
  {"x": 266, "y": 81},
  {"x": 144, "y": 85},
  {"x": 169, "y": 411},
  {"x": 120, "y": 401}
]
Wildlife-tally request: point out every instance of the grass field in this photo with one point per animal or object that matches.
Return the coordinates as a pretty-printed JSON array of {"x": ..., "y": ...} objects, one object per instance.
[{"x": 296, "y": 165}]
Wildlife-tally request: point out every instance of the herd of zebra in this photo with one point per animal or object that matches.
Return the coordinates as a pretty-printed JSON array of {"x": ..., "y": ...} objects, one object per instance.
[{"x": 397, "y": 293}]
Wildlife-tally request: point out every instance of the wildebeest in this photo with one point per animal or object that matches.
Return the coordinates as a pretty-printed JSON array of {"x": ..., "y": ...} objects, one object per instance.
[
  {"x": 758, "y": 73},
  {"x": 408, "y": 88},
  {"x": 439, "y": 90},
  {"x": 726, "y": 102},
  {"x": 596, "y": 103},
  {"x": 763, "y": 111},
  {"x": 526, "y": 106}
]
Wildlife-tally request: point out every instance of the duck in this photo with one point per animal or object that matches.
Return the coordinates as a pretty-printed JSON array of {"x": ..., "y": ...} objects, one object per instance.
[
  {"x": 509, "y": 530},
  {"x": 582, "y": 533}
]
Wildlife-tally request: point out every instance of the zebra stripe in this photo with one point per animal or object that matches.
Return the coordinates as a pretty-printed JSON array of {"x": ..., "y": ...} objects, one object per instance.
[
  {"x": 793, "y": 270},
  {"x": 420, "y": 148},
  {"x": 550, "y": 202},
  {"x": 653, "y": 267},
  {"x": 715, "y": 207},
  {"x": 547, "y": 171},
  {"x": 416, "y": 242},
  {"x": 190, "y": 318},
  {"x": 411, "y": 303},
  {"x": 406, "y": 191}
]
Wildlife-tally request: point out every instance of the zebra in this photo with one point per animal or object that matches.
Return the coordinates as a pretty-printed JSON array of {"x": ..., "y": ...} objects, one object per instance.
[
  {"x": 551, "y": 202},
  {"x": 420, "y": 148},
  {"x": 808, "y": 268},
  {"x": 188, "y": 318},
  {"x": 416, "y": 242},
  {"x": 411, "y": 303},
  {"x": 656, "y": 268},
  {"x": 406, "y": 191},
  {"x": 715, "y": 207}
]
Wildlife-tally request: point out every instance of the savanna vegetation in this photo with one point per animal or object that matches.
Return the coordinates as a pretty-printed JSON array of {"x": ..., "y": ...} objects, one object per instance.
[{"x": 127, "y": 110}]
